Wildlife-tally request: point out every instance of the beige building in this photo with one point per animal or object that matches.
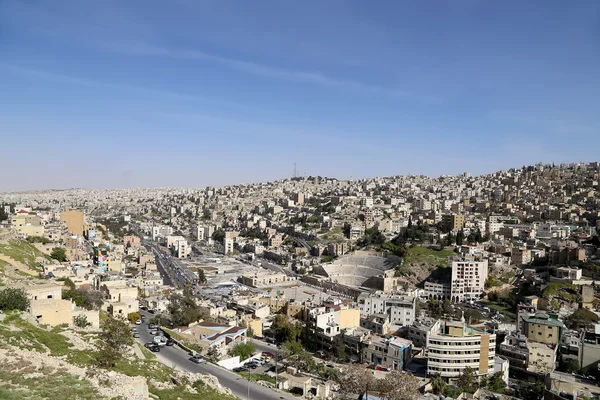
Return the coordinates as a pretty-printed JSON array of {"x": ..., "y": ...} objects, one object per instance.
[
  {"x": 26, "y": 224},
  {"x": 543, "y": 328},
  {"x": 265, "y": 278},
  {"x": 468, "y": 279},
  {"x": 456, "y": 346},
  {"x": 453, "y": 222},
  {"x": 75, "y": 221}
]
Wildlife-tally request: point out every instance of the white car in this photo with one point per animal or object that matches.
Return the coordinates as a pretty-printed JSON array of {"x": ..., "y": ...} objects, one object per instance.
[
  {"x": 138, "y": 322},
  {"x": 160, "y": 340}
]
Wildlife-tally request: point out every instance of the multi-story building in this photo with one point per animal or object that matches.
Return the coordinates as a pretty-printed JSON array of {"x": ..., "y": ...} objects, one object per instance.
[
  {"x": 337, "y": 249},
  {"x": 437, "y": 290},
  {"x": 399, "y": 309},
  {"x": 468, "y": 279},
  {"x": 228, "y": 245},
  {"x": 75, "y": 221},
  {"x": 323, "y": 324},
  {"x": 543, "y": 328},
  {"x": 456, "y": 346},
  {"x": 453, "y": 222}
]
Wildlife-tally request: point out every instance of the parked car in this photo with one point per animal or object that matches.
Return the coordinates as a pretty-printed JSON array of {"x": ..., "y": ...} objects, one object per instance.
[
  {"x": 151, "y": 326},
  {"x": 154, "y": 348},
  {"x": 143, "y": 318},
  {"x": 240, "y": 369},
  {"x": 197, "y": 358},
  {"x": 147, "y": 345},
  {"x": 138, "y": 322},
  {"x": 136, "y": 335},
  {"x": 153, "y": 332},
  {"x": 170, "y": 342},
  {"x": 267, "y": 354},
  {"x": 160, "y": 340}
]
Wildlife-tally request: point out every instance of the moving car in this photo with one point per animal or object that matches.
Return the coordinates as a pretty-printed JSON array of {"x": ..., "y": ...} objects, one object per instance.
[{"x": 197, "y": 358}]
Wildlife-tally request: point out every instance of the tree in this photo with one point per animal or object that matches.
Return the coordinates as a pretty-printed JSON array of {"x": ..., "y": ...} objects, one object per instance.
[
  {"x": 356, "y": 379},
  {"x": 466, "y": 379},
  {"x": 212, "y": 354},
  {"x": 134, "y": 316},
  {"x": 58, "y": 253},
  {"x": 183, "y": 309},
  {"x": 81, "y": 321},
  {"x": 85, "y": 298},
  {"x": 218, "y": 235},
  {"x": 13, "y": 299},
  {"x": 581, "y": 318},
  {"x": 243, "y": 350},
  {"x": 285, "y": 330},
  {"x": 291, "y": 348},
  {"x": 437, "y": 384},
  {"x": 303, "y": 361},
  {"x": 447, "y": 307},
  {"x": 3, "y": 214},
  {"x": 201, "y": 276},
  {"x": 460, "y": 236},
  {"x": 496, "y": 383},
  {"x": 115, "y": 338},
  {"x": 534, "y": 391},
  {"x": 398, "y": 385},
  {"x": 339, "y": 350}
]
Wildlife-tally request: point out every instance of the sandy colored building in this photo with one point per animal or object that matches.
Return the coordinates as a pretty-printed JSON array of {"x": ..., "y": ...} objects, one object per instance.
[{"x": 75, "y": 221}]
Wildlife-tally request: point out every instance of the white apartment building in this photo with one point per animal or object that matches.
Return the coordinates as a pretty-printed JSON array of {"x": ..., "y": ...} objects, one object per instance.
[
  {"x": 399, "y": 309},
  {"x": 199, "y": 232},
  {"x": 161, "y": 231},
  {"x": 437, "y": 290},
  {"x": 228, "y": 244},
  {"x": 468, "y": 279},
  {"x": 367, "y": 202},
  {"x": 456, "y": 346}
]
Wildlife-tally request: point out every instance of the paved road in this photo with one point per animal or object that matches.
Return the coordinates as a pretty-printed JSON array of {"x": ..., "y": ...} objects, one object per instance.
[{"x": 174, "y": 356}]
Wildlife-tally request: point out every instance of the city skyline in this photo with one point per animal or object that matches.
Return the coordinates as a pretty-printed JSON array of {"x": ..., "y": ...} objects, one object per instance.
[{"x": 198, "y": 94}]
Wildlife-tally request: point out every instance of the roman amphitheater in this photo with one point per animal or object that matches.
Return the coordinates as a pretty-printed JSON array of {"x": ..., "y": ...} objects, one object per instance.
[{"x": 359, "y": 268}]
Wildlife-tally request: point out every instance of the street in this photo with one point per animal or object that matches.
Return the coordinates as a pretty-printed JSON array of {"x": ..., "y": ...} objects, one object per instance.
[{"x": 175, "y": 356}]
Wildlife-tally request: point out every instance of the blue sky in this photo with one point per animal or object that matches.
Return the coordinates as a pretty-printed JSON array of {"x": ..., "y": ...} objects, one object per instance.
[{"x": 192, "y": 93}]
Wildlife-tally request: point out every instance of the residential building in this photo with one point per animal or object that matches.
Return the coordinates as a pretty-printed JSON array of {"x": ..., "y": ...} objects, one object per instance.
[
  {"x": 453, "y": 222},
  {"x": 437, "y": 290},
  {"x": 543, "y": 328},
  {"x": 75, "y": 221},
  {"x": 468, "y": 279},
  {"x": 456, "y": 346},
  {"x": 212, "y": 335},
  {"x": 228, "y": 245},
  {"x": 399, "y": 309}
]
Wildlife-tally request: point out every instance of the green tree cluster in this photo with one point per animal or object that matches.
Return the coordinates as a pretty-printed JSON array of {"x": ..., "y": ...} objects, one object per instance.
[
  {"x": 58, "y": 253},
  {"x": 115, "y": 338},
  {"x": 38, "y": 239},
  {"x": 13, "y": 299},
  {"x": 243, "y": 350},
  {"x": 85, "y": 298},
  {"x": 183, "y": 309},
  {"x": 285, "y": 330},
  {"x": 218, "y": 235}
]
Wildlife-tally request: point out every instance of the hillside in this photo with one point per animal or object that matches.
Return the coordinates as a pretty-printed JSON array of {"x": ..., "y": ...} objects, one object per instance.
[
  {"x": 39, "y": 363},
  {"x": 421, "y": 263}
]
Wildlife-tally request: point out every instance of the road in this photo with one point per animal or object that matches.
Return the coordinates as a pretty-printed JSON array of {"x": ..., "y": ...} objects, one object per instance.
[{"x": 174, "y": 356}]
